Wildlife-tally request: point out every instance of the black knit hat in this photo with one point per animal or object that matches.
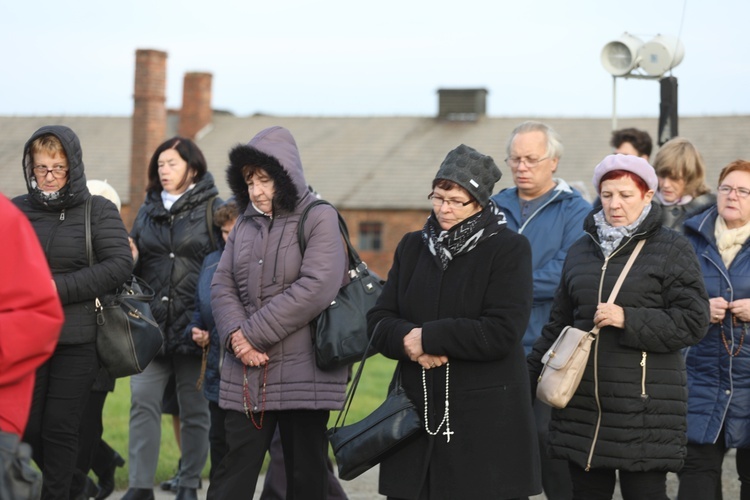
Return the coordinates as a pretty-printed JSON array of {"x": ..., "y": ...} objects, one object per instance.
[{"x": 473, "y": 171}]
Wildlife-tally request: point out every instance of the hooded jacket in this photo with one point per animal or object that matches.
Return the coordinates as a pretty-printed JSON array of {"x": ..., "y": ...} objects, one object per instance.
[
  {"x": 629, "y": 411},
  {"x": 172, "y": 245},
  {"x": 266, "y": 288},
  {"x": 59, "y": 223},
  {"x": 719, "y": 384},
  {"x": 551, "y": 230}
]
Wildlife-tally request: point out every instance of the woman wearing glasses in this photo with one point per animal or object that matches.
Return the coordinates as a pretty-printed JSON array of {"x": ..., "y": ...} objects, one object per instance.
[
  {"x": 682, "y": 182},
  {"x": 453, "y": 312},
  {"x": 55, "y": 205},
  {"x": 719, "y": 366}
]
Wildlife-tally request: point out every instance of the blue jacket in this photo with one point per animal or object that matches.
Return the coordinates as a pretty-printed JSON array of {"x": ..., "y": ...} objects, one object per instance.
[
  {"x": 719, "y": 385},
  {"x": 551, "y": 230},
  {"x": 203, "y": 318}
]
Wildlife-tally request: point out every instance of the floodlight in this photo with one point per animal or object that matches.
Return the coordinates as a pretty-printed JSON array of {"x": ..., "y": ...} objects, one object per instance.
[
  {"x": 661, "y": 54},
  {"x": 621, "y": 56}
]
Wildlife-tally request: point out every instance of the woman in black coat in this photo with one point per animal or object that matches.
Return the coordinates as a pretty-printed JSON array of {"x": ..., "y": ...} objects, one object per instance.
[
  {"x": 171, "y": 235},
  {"x": 629, "y": 411},
  {"x": 453, "y": 312},
  {"x": 55, "y": 205}
]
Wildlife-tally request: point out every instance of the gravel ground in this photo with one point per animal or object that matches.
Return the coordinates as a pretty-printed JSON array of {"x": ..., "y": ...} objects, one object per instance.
[{"x": 365, "y": 487}]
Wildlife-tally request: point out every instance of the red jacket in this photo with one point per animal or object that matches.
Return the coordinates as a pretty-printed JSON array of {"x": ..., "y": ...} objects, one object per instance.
[{"x": 30, "y": 315}]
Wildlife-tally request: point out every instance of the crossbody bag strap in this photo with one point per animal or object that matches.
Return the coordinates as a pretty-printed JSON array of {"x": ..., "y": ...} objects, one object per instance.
[{"x": 621, "y": 278}]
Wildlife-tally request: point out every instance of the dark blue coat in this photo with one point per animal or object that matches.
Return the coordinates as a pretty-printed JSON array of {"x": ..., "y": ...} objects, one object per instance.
[
  {"x": 719, "y": 385},
  {"x": 203, "y": 318}
]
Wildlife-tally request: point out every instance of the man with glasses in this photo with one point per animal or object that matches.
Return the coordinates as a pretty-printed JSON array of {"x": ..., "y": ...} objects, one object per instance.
[{"x": 550, "y": 214}]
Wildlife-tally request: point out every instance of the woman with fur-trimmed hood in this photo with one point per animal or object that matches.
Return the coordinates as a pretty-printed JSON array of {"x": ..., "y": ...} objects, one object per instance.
[{"x": 264, "y": 294}]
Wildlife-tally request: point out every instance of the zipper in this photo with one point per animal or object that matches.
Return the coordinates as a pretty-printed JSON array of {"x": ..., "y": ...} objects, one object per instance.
[
  {"x": 596, "y": 358},
  {"x": 644, "y": 354},
  {"x": 520, "y": 230}
]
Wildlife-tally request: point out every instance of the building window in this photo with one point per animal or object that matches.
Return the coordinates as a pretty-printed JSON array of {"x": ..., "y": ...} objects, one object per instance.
[{"x": 370, "y": 236}]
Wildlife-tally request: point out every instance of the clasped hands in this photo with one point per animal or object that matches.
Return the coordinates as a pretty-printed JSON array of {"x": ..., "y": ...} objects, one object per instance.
[
  {"x": 739, "y": 308},
  {"x": 413, "y": 349},
  {"x": 246, "y": 352}
]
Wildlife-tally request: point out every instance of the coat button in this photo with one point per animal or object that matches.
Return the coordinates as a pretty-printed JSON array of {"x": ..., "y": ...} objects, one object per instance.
[
  {"x": 727, "y": 392},
  {"x": 165, "y": 299},
  {"x": 171, "y": 255},
  {"x": 260, "y": 261}
]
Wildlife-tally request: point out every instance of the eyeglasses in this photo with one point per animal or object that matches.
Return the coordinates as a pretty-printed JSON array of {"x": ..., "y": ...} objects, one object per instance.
[
  {"x": 725, "y": 190},
  {"x": 437, "y": 202},
  {"x": 58, "y": 171},
  {"x": 515, "y": 161}
]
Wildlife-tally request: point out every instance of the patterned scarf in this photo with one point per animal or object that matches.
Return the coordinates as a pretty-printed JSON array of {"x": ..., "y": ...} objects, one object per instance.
[
  {"x": 464, "y": 236},
  {"x": 611, "y": 236}
]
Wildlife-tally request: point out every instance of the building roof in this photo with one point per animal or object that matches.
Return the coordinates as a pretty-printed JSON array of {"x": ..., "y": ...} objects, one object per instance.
[{"x": 371, "y": 162}]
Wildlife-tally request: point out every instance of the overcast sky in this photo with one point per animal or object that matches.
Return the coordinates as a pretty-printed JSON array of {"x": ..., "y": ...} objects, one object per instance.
[{"x": 335, "y": 57}]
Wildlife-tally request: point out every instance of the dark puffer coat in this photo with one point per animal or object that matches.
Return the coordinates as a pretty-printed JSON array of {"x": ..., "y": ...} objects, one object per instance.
[
  {"x": 475, "y": 313},
  {"x": 172, "y": 245},
  {"x": 674, "y": 216},
  {"x": 59, "y": 224},
  {"x": 642, "y": 386},
  {"x": 718, "y": 384}
]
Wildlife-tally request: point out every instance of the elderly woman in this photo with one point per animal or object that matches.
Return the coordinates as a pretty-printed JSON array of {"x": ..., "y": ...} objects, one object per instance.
[
  {"x": 682, "y": 182},
  {"x": 719, "y": 366},
  {"x": 55, "y": 205},
  {"x": 629, "y": 412},
  {"x": 264, "y": 294},
  {"x": 453, "y": 312}
]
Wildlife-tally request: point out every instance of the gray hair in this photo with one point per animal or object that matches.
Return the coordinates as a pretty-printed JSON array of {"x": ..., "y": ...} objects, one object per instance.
[{"x": 554, "y": 144}]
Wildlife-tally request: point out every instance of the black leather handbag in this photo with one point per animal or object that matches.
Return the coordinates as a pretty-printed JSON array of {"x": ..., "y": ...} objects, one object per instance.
[
  {"x": 360, "y": 446},
  {"x": 340, "y": 331},
  {"x": 127, "y": 336}
]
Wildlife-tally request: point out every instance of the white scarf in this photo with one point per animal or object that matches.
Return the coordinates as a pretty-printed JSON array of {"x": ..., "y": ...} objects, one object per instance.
[
  {"x": 729, "y": 241},
  {"x": 171, "y": 199}
]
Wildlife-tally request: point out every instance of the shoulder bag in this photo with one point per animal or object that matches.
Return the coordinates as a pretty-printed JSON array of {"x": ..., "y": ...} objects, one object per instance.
[
  {"x": 127, "y": 336},
  {"x": 565, "y": 362},
  {"x": 340, "y": 331},
  {"x": 359, "y": 447}
]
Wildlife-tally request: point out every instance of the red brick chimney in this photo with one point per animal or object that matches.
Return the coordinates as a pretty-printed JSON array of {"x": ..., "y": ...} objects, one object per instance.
[
  {"x": 196, "y": 104},
  {"x": 149, "y": 122}
]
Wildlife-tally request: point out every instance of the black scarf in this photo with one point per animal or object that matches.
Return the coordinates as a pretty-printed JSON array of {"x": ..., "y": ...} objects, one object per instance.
[{"x": 464, "y": 236}]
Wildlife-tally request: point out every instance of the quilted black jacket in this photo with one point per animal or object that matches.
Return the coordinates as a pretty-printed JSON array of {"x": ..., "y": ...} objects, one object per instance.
[
  {"x": 171, "y": 245},
  {"x": 639, "y": 370}
]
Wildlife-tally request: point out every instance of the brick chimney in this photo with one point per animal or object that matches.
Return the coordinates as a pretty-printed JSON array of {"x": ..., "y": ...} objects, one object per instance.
[
  {"x": 462, "y": 104},
  {"x": 149, "y": 121},
  {"x": 196, "y": 104}
]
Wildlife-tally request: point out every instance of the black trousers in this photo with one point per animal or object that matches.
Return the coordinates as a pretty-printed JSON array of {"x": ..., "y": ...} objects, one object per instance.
[
  {"x": 599, "y": 484},
  {"x": 216, "y": 437},
  {"x": 700, "y": 477},
  {"x": 274, "y": 487},
  {"x": 305, "y": 450},
  {"x": 555, "y": 473},
  {"x": 61, "y": 392}
]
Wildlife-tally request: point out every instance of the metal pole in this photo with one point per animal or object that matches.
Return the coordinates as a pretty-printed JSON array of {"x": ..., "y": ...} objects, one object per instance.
[{"x": 614, "y": 102}]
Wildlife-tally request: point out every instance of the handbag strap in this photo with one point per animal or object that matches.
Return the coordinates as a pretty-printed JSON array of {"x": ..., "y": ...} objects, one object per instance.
[
  {"x": 620, "y": 279},
  {"x": 87, "y": 224},
  {"x": 355, "y": 381},
  {"x": 355, "y": 262}
]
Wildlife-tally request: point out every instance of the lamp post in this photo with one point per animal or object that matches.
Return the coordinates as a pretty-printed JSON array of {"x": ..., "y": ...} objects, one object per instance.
[{"x": 624, "y": 57}]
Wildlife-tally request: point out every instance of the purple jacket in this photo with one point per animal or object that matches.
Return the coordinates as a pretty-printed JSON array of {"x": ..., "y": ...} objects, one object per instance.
[{"x": 265, "y": 287}]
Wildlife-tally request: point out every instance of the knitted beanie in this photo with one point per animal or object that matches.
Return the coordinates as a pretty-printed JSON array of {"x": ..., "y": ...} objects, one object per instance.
[{"x": 473, "y": 171}]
